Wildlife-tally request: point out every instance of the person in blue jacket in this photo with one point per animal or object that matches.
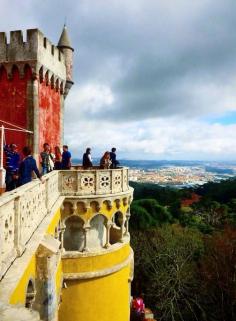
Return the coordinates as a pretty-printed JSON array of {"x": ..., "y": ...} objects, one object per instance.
[
  {"x": 27, "y": 166},
  {"x": 12, "y": 166}
]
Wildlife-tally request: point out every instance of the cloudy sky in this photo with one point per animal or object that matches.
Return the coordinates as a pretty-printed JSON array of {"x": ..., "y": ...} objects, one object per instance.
[{"x": 155, "y": 78}]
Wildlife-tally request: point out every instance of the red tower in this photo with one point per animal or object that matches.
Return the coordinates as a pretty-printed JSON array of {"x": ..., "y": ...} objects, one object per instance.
[{"x": 35, "y": 78}]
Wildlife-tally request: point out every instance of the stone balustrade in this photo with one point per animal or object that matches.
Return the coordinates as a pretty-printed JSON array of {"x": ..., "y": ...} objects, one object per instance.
[
  {"x": 22, "y": 210},
  {"x": 94, "y": 181}
]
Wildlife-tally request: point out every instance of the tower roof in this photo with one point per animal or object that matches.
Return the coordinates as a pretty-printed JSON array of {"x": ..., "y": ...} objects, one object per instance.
[{"x": 64, "y": 40}]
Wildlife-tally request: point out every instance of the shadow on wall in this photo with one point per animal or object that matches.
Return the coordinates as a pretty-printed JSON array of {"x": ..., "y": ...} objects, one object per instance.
[{"x": 74, "y": 238}]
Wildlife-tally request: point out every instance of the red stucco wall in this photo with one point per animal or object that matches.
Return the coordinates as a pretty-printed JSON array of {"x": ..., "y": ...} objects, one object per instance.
[
  {"x": 49, "y": 116},
  {"x": 13, "y": 101}
]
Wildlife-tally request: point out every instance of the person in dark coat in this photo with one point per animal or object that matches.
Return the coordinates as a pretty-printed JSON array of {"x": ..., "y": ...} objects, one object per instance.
[
  {"x": 114, "y": 161},
  {"x": 87, "y": 159},
  {"x": 27, "y": 166},
  {"x": 12, "y": 166},
  {"x": 66, "y": 158}
]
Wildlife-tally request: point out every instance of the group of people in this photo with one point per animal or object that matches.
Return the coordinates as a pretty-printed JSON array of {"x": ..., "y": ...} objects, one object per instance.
[
  {"x": 108, "y": 160},
  {"x": 19, "y": 172},
  {"x": 57, "y": 160}
]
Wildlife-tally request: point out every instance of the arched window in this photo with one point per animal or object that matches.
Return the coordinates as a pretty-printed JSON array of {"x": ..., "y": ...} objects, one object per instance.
[
  {"x": 118, "y": 219},
  {"x": 116, "y": 230},
  {"x": 41, "y": 74},
  {"x": 97, "y": 233},
  {"x": 74, "y": 234},
  {"x": 47, "y": 78},
  {"x": 52, "y": 81},
  {"x": 3, "y": 73},
  {"x": 15, "y": 73},
  {"x": 30, "y": 295},
  {"x": 27, "y": 72}
]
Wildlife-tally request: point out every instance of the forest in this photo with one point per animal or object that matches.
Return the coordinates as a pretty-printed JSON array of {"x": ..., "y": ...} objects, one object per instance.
[{"x": 184, "y": 243}]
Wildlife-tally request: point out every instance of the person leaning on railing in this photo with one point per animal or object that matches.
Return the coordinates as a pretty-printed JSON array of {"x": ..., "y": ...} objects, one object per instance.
[
  {"x": 66, "y": 158},
  {"x": 105, "y": 161},
  {"x": 27, "y": 166},
  {"x": 114, "y": 161},
  {"x": 58, "y": 158}
]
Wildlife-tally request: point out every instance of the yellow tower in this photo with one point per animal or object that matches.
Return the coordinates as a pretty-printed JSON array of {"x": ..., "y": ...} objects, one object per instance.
[{"x": 96, "y": 257}]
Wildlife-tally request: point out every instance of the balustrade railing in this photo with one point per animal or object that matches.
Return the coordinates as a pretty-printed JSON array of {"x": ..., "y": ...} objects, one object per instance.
[
  {"x": 21, "y": 211},
  {"x": 93, "y": 181}
]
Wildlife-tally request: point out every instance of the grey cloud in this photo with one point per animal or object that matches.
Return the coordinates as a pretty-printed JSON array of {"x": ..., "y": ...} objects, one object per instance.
[{"x": 152, "y": 54}]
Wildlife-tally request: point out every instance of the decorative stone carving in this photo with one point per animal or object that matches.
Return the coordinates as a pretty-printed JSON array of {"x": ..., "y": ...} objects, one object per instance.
[{"x": 68, "y": 182}]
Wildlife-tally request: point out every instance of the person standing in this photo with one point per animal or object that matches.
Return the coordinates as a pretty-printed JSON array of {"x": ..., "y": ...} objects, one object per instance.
[
  {"x": 87, "y": 159},
  {"x": 58, "y": 158},
  {"x": 12, "y": 166},
  {"x": 105, "y": 161},
  {"x": 27, "y": 166},
  {"x": 114, "y": 161},
  {"x": 66, "y": 158},
  {"x": 45, "y": 157}
]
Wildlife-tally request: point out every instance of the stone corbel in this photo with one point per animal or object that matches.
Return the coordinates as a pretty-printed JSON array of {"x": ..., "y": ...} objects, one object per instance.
[
  {"x": 74, "y": 208},
  {"x": 98, "y": 206},
  {"x": 86, "y": 206},
  {"x": 118, "y": 203},
  {"x": 125, "y": 201},
  {"x": 109, "y": 205}
]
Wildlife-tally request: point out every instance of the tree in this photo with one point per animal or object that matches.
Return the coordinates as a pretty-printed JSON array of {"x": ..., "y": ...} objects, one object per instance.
[
  {"x": 165, "y": 271},
  {"x": 218, "y": 276},
  {"x": 147, "y": 213}
]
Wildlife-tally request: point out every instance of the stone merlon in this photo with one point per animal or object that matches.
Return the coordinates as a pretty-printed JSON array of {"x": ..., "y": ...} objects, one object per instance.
[{"x": 37, "y": 51}]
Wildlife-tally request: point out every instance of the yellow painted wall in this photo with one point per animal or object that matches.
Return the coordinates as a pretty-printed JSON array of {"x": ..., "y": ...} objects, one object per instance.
[
  {"x": 94, "y": 263},
  {"x": 100, "y": 299},
  {"x": 18, "y": 296},
  {"x": 54, "y": 223}
]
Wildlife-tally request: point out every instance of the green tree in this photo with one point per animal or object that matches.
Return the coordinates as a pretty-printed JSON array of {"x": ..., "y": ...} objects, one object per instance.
[
  {"x": 165, "y": 271},
  {"x": 147, "y": 213}
]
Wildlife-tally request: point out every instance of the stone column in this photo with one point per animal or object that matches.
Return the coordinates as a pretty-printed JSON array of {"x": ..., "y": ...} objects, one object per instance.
[
  {"x": 127, "y": 224},
  {"x": 108, "y": 228},
  {"x": 86, "y": 230},
  {"x": 62, "y": 231},
  {"x": 122, "y": 232}
]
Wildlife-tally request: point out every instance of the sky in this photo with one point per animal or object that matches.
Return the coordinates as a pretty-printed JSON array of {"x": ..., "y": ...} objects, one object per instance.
[{"x": 154, "y": 78}]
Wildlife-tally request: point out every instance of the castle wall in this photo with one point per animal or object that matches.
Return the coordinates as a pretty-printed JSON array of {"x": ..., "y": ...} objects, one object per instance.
[
  {"x": 32, "y": 100},
  {"x": 49, "y": 116},
  {"x": 13, "y": 105}
]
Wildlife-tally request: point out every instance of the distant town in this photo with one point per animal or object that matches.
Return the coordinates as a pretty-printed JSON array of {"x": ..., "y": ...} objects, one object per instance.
[{"x": 183, "y": 176}]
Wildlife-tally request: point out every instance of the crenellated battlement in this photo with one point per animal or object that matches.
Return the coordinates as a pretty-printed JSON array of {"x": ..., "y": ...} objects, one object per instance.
[{"x": 37, "y": 50}]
